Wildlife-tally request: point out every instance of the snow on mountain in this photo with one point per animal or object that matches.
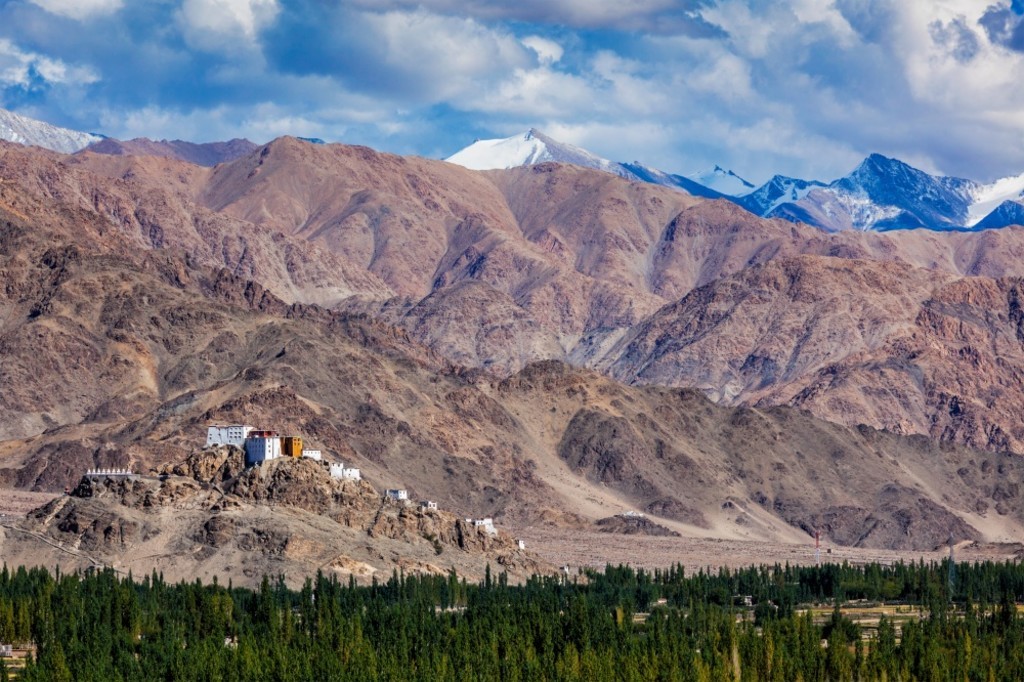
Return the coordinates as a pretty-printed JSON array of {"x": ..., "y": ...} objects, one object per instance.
[
  {"x": 534, "y": 146},
  {"x": 657, "y": 177},
  {"x": 529, "y": 148},
  {"x": 924, "y": 200},
  {"x": 989, "y": 198},
  {"x": 879, "y": 194},
  {"x": 777, "y": 191},
  {"x": 28, "y": 131},
  {"x": 723, "y": 181},
  {"x": 1005, "y": 214}
]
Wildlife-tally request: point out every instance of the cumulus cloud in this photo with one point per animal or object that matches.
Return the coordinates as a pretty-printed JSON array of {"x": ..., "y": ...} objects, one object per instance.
[
  {"x": 412, "y": 58},
  {"x": 548, "y": 51},
  {"x": 25, "y": 69},
  {"x": 80, "y": 9},
  {"x": 223, "y": 24}
]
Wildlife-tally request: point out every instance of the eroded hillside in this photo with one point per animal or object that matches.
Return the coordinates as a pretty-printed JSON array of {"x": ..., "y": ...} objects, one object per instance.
[{"x": 414, "y": 318}]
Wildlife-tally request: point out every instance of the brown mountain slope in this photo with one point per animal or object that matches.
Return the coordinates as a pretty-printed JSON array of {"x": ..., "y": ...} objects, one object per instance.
[
  {"x": 131, "y": 316},
  {"x": 884, "y": 344},
  {"x": 123, "y": 360},
  {"x": 576, "y": 249},
  {"x": 149, "y": 203},
  {"x": 205, "y": 154}
]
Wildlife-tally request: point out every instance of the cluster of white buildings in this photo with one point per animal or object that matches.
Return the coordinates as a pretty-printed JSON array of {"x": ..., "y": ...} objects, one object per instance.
[
  {"x": 339, "y": 470},
  {"x": 262, "y": 445}
]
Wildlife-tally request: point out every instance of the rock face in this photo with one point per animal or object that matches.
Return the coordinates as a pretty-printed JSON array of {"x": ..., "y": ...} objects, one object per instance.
[
  {"x": 883, "y": 344},
  {"x": 633, "y": 525},
  {"x": 217, "y": 518}
]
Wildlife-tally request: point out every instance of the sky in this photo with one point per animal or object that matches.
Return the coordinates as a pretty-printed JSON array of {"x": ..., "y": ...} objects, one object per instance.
[{"x": 806, "y": 88}]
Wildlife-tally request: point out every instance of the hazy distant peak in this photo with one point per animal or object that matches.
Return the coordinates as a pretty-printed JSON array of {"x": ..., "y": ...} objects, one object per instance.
[{"x": 28, "y": 131}]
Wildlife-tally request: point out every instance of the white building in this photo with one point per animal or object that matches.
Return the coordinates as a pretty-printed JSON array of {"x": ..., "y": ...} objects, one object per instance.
[
  {"x": 397, "y": 494},
  {"x": 521, "y": 543},
  {"x": 487, "y": 524},
  {"x": 312, "y": 454},
  {"x": 428, "y": 505},
  {"x": 339, "y": 470},
  {"x": 262, "y": 448},
  {"x": 232, "y": 434}
]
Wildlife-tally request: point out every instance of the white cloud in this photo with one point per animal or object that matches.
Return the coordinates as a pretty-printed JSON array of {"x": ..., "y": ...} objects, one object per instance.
[
  {"x": 615, "y": 14},
  {"x": 218, "y": 25},
  {"x": 548, "y": 51},
  {"x": 440, "y": 58},
  {"x": 80, "y": 9},
  {"x": 534, "y": 93},
  {"x": 18, "y": 66}
]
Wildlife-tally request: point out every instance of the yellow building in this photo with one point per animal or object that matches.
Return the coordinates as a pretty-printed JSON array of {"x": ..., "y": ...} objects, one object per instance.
[{"x": 291, "y": 446}]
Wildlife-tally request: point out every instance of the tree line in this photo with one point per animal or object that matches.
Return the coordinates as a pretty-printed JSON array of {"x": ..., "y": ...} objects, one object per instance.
[{"x": 710, "y": 625}]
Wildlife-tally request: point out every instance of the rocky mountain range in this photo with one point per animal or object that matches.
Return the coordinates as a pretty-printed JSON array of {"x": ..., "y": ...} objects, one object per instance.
[
  {"x": 201, "y": 154},
  {"x": 28, "y": 131},
  {"x": 880, "y": 194},
  {"x": 543, "y": 344}
]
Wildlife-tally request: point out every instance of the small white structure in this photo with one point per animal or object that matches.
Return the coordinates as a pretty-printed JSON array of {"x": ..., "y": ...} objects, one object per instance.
[
  {"x": 428, "y": 505},
  {"x": 262, "y": 448},
  {"x": 487, "y": 524},
  {"x": 312, "y": 454},
  {"x": 521, "y": 543},
  {"x": 110, "y": 473},
  {"x": 6, "y": 650},
  {"x": 230, "y": 434},
  {"x": 631, "y": 515},
  {"x": 339, "y": 470},
  {"x": 397, "y": 494}
]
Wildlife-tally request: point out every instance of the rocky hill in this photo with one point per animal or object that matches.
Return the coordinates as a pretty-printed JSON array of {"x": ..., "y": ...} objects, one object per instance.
[
  {"x": 210, "y": 517},
  {"x": 855, "y": 342}
]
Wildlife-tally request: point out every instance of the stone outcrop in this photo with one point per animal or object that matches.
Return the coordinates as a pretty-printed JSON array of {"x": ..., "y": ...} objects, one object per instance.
[{"x": 285, "y": 514}]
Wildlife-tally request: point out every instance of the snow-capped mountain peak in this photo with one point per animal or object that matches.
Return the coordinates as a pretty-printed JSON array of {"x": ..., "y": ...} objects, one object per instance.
[
  {"x": 723, "y": 180},
  {"x": 991, "y": 197},
  {"x": 776, "y": 192},
  {"x": 28, "y": 131},
  {"x": 526, "y": 149}
]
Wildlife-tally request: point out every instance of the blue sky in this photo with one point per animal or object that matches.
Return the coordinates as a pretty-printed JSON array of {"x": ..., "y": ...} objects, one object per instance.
[{"x": 805, "y": 88}]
